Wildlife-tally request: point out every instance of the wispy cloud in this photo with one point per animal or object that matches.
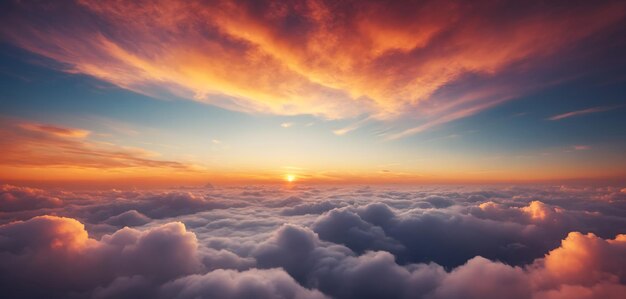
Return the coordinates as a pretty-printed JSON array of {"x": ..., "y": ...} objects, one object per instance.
[
  {"x": 582, "y": 112},
  {"x": 286, "y": 125},
  {"x": 27, "y": 144},
  {"x": 339, "y": 61},
  {"x": 351, "y": 127},
  {"x": 443, "y": 119},
  {"x": 54, "y": 130}
]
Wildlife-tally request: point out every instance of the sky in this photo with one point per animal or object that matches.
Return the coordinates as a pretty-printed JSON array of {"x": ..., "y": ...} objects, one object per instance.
[
  {"x": 187, "y": 93},
  {"x": 312, "y": 149}
]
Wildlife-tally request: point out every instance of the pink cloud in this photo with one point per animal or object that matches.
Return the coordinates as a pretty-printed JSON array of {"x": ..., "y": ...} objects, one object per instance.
[{"x": 581, "y": 112}]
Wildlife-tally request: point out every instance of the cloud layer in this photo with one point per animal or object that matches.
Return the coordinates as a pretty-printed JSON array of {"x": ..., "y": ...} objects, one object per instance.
[{"x": 314, "y": 242}]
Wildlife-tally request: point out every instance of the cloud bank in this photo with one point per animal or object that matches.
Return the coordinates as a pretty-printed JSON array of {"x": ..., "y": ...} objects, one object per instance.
[{"x": 314, "y": 242}]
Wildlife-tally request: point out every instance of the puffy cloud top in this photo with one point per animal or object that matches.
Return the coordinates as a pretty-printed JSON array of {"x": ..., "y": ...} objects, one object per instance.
[{"x": 534, "y": 243}]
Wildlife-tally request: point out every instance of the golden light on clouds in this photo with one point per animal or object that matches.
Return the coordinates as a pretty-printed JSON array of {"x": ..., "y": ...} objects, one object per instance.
[
  {"x": 305, "y": 57},
  {"x": 312, "y": 149},
  {"x": 370, "y": 75}
]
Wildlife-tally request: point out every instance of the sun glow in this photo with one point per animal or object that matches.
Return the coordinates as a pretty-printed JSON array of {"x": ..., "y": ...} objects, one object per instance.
[{"x": 290, "y": 178}]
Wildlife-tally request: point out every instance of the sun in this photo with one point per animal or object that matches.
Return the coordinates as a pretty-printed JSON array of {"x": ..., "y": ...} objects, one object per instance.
[{"x": 290, "y": 178}]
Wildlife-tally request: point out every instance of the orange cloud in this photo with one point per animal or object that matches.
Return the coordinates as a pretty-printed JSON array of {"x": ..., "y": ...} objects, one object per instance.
[
  {"x": 27, "y": 144},
  {"x": 584, "y": 266},
  {"x": 585, "y": 259},
  {"x": 61, "y": 234},
  {"x": 335, "y": 60},
  {"x": 54, "y": 130},
  {"x": 537, "y": 210}
]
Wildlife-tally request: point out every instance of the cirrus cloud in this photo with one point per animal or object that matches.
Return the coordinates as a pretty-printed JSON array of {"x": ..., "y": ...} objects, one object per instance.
[{"x": 336, "y": 60}]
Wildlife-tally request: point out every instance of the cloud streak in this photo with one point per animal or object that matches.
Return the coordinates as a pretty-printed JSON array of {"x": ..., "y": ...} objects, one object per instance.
[
  {"x": 582, "y": 112},
  {"x": 27, "y": 144}
]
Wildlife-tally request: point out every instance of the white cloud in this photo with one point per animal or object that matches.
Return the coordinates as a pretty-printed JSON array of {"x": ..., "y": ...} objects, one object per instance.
[{"x": 316, "y": 242}]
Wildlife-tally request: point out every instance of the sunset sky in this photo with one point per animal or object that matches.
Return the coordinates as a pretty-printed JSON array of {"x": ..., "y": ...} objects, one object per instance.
[
  {"x": 192, "y": 92},
  {"x": 312, "y": 149}
]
